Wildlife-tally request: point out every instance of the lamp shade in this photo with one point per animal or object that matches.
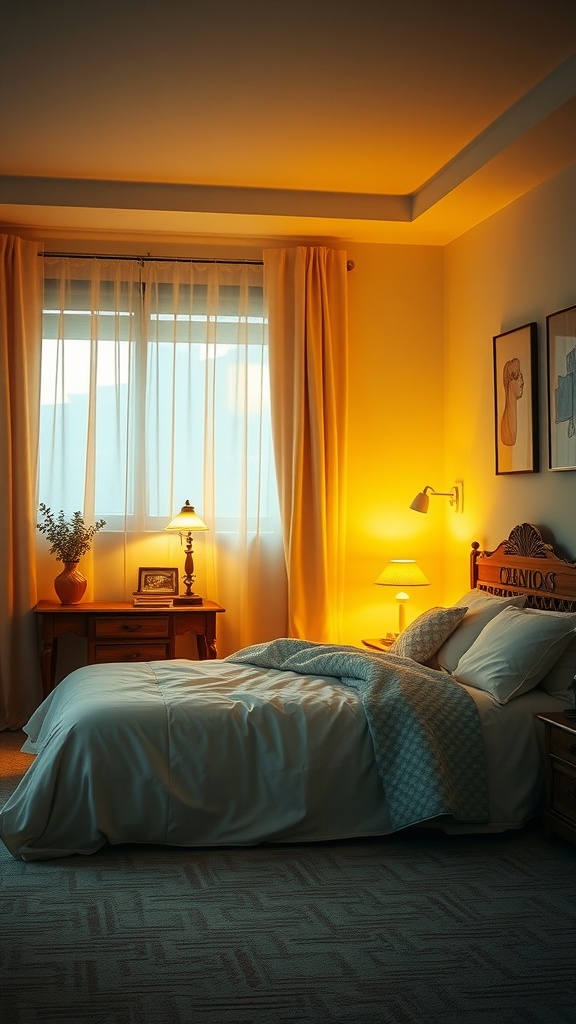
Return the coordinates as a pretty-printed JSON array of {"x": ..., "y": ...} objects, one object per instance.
[
  {"x": 421, "y": 502},
  {"x": 186, "y": 521},
  {"x": 402, "y": 572},
  {"x": 422, "y": 499}
]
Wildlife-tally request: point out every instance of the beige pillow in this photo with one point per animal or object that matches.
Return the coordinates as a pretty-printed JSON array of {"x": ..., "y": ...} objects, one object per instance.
[
  {"x": 422, "y": 638},
  {"x": 482, "y": 608},
  {"x": 514, "y": 651}
]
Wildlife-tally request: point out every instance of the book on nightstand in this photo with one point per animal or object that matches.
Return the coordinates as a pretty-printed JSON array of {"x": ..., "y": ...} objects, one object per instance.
[{"x": 151, "y": 600}]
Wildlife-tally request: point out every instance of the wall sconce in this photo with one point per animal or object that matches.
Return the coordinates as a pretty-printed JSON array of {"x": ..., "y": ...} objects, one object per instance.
[
  {"x": 456, "y": 495},
  {"x": 402, "y": 572},
  {"x": 185, "y": 522}
]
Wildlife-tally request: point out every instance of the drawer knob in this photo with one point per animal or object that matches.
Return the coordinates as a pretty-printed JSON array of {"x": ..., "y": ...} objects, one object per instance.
[{"x": 131, "y": 627}]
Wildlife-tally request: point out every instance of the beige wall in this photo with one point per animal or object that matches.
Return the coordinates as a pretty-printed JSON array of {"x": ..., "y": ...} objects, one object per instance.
[
  {"x": 516, "y": 267},
  {"x": 396, "y": 428},
  {"x": 421, "y": 323}
]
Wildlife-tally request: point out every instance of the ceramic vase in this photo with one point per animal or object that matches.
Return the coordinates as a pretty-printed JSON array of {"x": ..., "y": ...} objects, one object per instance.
[{"x": 70, "y": 584}]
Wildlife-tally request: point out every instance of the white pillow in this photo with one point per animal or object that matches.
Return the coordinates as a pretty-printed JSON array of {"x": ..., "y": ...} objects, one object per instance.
[
  {"x": 422, "y": 638},
  {"x": 482, "y": 608},
  {"x": 514, "y": 651},
  {"x": 561, "y": 676}
]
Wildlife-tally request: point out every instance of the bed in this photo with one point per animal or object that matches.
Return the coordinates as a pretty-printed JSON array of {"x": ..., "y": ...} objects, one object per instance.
[{"x": 293, "y": 741}]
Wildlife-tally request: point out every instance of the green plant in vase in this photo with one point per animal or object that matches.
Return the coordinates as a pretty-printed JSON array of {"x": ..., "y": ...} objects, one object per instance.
[{"x": 69, "y": 539}]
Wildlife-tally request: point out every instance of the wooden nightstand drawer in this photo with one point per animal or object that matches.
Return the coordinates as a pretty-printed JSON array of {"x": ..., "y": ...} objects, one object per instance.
[
  {"x": 560, "y": 810},
  {"x": 117, "y": 627},
  {"x": 563, "y": 797},
  {"x": 563, "y": 744},
  {"x": 104, "y": 653}
]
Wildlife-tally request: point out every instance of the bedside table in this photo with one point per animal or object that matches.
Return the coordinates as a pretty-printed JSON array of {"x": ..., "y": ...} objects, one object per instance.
[
  {"x": 117, "y": 631},
  {"x": 381, "y": 644},
  {"x": 560, "y": 809}
]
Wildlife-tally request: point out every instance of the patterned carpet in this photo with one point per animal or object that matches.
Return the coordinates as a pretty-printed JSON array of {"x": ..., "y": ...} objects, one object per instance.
[{"x": 414, "y": 929}]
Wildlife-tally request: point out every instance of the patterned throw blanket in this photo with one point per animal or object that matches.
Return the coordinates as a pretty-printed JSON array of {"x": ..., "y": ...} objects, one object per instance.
[{"x": 425, "y": 728}]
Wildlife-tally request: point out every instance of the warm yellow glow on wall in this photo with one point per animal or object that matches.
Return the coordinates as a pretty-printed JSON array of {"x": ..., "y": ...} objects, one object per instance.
[
  {"x": 530, "y": 277},
  {"x": 396, "y": 427}
]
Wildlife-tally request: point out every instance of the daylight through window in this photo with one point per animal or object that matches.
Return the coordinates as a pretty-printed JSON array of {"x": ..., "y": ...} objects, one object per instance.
[{"x": 155, "y": 388}]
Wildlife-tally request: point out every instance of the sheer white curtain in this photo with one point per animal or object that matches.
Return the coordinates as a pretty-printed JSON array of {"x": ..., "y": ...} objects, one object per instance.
[
  {"x": 155, "y": 390},
  {"x": 20, "y": 316}
]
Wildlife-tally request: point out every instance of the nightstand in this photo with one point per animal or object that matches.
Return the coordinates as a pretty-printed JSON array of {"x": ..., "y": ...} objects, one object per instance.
[
  {"x": 560, "y": 809},
  {"x": 381, "y": 643},
  {"x": 117, "y": 631}
]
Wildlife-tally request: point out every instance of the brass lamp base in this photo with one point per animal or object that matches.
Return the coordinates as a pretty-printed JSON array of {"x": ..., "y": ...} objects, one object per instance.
[{"x": 190, "y": 599}]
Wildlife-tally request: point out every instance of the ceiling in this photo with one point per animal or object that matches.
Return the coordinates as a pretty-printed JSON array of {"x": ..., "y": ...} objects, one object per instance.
[{"x": 380, "y": 121}]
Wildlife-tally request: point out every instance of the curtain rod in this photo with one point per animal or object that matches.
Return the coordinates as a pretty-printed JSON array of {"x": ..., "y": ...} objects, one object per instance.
[
  {"x": 145, "y": 259},
  {"x": 160, "y": 259}
]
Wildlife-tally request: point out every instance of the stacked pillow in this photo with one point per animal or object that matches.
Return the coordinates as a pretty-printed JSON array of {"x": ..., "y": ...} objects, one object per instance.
[
  {"x": 422, "y": 638},
  {"x": 482, "y": 608},
  {"x": 505, "y": 649}
]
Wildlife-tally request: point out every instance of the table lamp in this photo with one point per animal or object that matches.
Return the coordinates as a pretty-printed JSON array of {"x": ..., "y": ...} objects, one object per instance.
[
  {"x": 185, "y": 523},
  {"x": 402, "y": 572}
]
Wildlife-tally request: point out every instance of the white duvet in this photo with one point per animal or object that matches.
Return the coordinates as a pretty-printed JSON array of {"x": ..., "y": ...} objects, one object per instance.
[{"x": 144, "y": 754}]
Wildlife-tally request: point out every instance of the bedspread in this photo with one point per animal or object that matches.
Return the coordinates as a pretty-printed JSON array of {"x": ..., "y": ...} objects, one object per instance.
[
  {"x": 225, "y": 752},
  {"x": 425, "y": 728}
]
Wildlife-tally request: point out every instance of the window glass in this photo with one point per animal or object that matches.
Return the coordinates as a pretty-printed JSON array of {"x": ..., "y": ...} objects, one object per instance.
[{"x": 155, "y": 388}]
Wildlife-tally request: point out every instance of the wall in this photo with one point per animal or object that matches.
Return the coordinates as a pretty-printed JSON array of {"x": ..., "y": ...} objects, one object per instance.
[
  {"x": 396, "y": 429},
  {"x": 516, "y": 267}
]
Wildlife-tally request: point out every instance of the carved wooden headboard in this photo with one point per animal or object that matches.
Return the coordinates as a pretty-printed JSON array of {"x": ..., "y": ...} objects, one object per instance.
[{"x": 525, "y": 564}]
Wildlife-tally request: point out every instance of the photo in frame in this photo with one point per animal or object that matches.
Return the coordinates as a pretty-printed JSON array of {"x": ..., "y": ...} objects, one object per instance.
[
  {"x": 561, "y": 361},
  {"x": 158, "y": 582},
  {"x": 516, "y": 400}
]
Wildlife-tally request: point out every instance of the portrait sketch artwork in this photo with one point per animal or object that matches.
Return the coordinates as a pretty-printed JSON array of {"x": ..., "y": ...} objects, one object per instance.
[
  {"x": 561, "y": 336},
  {"x": 516, "y": 400}
]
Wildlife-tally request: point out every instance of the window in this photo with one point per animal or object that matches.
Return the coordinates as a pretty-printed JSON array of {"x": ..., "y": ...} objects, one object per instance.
[{"x": 155, "y": 389}]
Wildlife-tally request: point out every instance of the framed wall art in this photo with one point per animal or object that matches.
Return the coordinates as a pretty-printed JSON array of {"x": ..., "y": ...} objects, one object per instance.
[
  {"x": 158, "y": 582},
  {"x": 516, "y": 400},
  {"x": 561, "y": 345}
]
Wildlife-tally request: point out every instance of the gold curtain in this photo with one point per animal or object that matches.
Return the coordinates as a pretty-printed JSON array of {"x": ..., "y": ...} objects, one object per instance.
[
  {"x": 306, "y": 300},
  {"x": 20, "y": 338}
]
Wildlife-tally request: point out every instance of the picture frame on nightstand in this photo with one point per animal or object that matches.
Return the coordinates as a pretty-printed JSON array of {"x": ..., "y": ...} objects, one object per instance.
[{"x": 156, "y": 581}]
